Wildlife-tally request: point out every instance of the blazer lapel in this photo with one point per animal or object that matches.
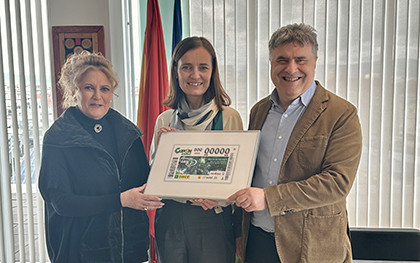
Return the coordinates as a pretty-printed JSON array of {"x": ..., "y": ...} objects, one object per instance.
[
  {"x": 317, "y": 105},
  {"x": 260, "y": 115}
]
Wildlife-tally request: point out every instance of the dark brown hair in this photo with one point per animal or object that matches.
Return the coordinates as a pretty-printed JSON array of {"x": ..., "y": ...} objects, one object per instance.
[{"x": 215, "y": 90}]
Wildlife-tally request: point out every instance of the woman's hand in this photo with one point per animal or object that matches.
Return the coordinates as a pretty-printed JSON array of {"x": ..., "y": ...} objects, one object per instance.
[
  {"x": 165, "y": 129},
  {"x": 205, "y": 203},
  {"x": 134, "y": 198}
]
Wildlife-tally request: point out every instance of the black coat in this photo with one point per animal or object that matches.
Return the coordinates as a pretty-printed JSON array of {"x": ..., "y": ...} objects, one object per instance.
[{"x": 81, "y": 185}]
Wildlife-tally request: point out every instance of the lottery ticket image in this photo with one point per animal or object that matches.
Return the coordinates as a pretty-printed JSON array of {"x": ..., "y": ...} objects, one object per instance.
[{"x": 202, "y": 163}]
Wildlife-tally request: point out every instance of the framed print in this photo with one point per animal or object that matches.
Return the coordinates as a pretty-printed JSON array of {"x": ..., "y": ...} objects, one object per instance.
[
  {"x": 203, "y": 164},
  {"x": 68, "y": 40}
]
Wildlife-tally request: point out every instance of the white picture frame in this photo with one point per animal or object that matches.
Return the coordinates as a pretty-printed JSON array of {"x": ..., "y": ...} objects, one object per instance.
[{"x": 203, "y": 164}]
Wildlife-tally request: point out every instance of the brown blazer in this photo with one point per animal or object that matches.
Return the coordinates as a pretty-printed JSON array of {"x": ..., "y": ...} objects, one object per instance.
[{"x": 318, "y": 169}]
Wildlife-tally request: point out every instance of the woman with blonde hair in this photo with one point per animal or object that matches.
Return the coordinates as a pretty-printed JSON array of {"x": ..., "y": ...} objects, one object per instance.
[{"x": 93, "y": 172}]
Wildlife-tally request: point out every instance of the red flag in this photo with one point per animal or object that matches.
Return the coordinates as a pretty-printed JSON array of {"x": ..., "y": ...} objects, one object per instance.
[{"x": 154, "y": 85}]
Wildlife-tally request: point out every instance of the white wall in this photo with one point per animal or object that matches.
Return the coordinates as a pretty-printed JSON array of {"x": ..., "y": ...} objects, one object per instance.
[
  {"x": 80, "y": 13},
  {"x": 95, "y": 13}
]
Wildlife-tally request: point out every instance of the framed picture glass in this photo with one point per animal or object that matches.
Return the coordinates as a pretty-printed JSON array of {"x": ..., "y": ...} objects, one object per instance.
[{"x": 203, "y": 164}]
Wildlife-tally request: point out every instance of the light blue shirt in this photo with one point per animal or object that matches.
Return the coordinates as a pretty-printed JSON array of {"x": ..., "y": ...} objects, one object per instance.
[{"x": 274, "y": 136}]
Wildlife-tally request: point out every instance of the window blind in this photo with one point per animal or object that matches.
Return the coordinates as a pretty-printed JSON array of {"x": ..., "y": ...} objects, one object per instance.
[
  {"x": 368, "y": 54},
  {"x": 26, "y": 111}
]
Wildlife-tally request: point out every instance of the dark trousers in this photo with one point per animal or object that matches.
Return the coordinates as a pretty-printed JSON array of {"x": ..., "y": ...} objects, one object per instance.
[
  {"x": 261, "y": 246},
  {"x": 187, "y": 233}
]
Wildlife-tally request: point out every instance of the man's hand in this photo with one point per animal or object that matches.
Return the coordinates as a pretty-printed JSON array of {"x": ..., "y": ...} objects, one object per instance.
[{"x": 250, "y": 199}]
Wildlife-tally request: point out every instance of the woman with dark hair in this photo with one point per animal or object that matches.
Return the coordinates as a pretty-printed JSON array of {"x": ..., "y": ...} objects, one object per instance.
[
  {"x": 93, "y": 172},
  {"x": 198, "y": 230}
]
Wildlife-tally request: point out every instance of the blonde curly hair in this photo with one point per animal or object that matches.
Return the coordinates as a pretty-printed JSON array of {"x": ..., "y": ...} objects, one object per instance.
[{"x": 76, "y": 66}]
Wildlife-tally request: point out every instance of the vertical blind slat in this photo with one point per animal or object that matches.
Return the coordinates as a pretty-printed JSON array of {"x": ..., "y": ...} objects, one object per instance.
[
  {"x": 6, "y": 232},
  {"x": 406, "y": 184},
  {"x": 241, "y": 65},
  {"x": 235, "y": 40},
  {"x": 369, "y": 120},
  {"x": 273, "y": 25},
  {"x": 352, "y": 196},
  {"x": 359, "y": 180},
  {"x": 26, "y": 146},
  {"x": 416, "y": 210},
  {"x": 35, "y": 125},
  {"x": 338, "y": 48},
  {"x": 374, "y": 128},
  {"x": 44, "y": 116},
  {"x": 15, "y": 140},
  {"x": 262, "y": 29},
  {"x": 127, "y": 48},
  {"x": 7, "y": 201},
  {"x": 382, "y": 132},
  {"x": 251, "y": 54},
  {"x": 219, "y": 36},
  {"x": 387, "y": 88},
  {"x": 226, "y": 69},
  {"x": 325, "y": 38},
  {"x": 396, "y": 131},
  {"x": 134, "y": 104},
  {"x": 42, "y": 66}
]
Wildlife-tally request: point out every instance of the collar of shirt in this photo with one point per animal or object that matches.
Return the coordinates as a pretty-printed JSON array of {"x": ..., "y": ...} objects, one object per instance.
[{"x": 305, "y": 98}]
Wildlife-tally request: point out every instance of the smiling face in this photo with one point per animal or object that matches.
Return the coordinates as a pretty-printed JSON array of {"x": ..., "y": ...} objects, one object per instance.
[
  {"x": 194, "y": 71},
  {"x": 292, "y": 71},
  {"x": 95, "y": 94}
]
